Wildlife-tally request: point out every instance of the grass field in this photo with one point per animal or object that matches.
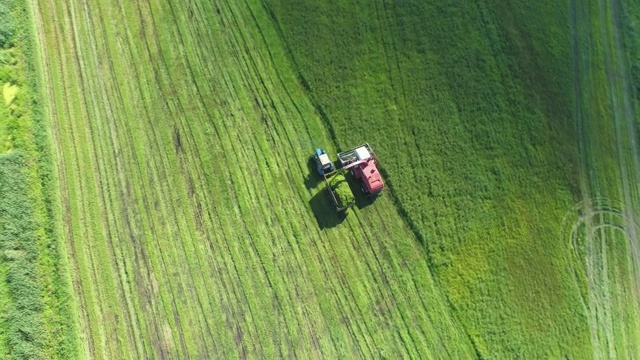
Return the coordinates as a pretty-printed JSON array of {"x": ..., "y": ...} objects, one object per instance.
[
  {"x": 487, "y": 162},
  {"x": 605, "y": 236},
  {"x": 188, "y": 209},
  {"x": 188, "y": 219}
]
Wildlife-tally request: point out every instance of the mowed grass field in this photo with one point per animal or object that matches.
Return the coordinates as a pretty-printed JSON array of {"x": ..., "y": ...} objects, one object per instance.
[
  {"x": 191, "y": 222},
  {"x": 194, "y": 226}
]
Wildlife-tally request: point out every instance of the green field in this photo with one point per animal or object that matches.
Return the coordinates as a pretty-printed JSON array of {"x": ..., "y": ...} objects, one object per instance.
[{"x": 157, "y": 198}]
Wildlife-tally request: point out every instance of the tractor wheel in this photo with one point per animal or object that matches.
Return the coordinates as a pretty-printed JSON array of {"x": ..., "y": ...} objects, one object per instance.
[{"x": 364, "y": 191}]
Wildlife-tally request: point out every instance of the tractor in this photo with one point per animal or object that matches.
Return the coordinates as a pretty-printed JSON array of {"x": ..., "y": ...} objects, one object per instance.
[
  {"x": 323, "y": 163},
  {"x": 361, "y": 162}
]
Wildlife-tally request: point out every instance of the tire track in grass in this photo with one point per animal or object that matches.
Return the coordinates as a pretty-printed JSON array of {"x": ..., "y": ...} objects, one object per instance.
[
  {"x": 592, "y": 232},
  {"x": 110, "y": 112},
  {"x": 624, "y": 115},
  {"x": 247, "y": 272},
  {"x": 69, "y": 210},
  {"x": 344, "y": 281},
  {"x": 589, "y": 244},
  {"x": 117, "y": 263}
]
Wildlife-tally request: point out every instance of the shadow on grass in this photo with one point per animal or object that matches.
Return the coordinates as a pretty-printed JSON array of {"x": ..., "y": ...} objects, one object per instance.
[
  {"x": 321, "y": 204},
  {"x": 324, "y": 211},
  {"x": 313, "y": 178},
  {"x": 362, "y": 200}
]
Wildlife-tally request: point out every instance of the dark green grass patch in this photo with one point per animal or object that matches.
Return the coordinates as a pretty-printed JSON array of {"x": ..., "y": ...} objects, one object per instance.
[
  {"x": 630, "y": 17},
  {"x": 18, "y": 245}
]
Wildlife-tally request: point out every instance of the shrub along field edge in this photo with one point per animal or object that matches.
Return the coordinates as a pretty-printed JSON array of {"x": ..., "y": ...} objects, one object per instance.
[{"x": 36, "y": 319}]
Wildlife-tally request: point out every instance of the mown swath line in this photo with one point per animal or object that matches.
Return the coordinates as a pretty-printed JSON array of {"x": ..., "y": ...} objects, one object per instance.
[
  {"x": 421, "y": 300},
  {"x": 280, "y": 81},
  {"x": 189, "y": 133},
  {"x": 275, "y": 20},
  {"x": 88, "y": 18},
  {"x": 51, "y": 110},
  {"x": 116, "y": 259},
  {"x": 400, "y": 295},
  {"x": 187, "y": 178},
  {"x": 70, "y": 192},
  {"x": 109, "y": 113},
  {"x": 277, "y": 141},
  {"x": 382, "y": 286},
  {"x": 385, "y": 281},
  {"x": 343, "y": 282}
]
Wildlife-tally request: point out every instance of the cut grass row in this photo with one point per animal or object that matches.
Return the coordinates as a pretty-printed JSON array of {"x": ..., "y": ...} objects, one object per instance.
[{"x": 181, "y": 140}]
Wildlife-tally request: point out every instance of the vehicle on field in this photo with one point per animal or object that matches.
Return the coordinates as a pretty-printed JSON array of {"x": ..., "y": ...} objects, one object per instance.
[
  {"x": 362, "y": 163},
  {"x": 323, "y": 163}
]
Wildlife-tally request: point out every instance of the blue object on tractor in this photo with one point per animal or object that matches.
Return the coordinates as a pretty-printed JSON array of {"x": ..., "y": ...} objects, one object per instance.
[{"x": 323, "y": 162}]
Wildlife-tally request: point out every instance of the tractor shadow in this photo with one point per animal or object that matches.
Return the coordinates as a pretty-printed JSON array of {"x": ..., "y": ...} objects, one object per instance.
[
  {"x": 322, "y": 206},
  {"x": 324, "y": 211},
  {"x": 313, "y": 178}
]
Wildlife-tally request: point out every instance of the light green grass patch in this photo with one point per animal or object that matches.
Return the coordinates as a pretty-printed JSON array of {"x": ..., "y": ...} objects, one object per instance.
[{"x": 9, "y": 92}]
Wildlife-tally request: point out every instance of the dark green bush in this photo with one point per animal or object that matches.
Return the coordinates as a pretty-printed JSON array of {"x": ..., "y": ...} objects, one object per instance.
[
  {"x": 18, "y": 238},
  {"x": 7, "y": 24}
]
